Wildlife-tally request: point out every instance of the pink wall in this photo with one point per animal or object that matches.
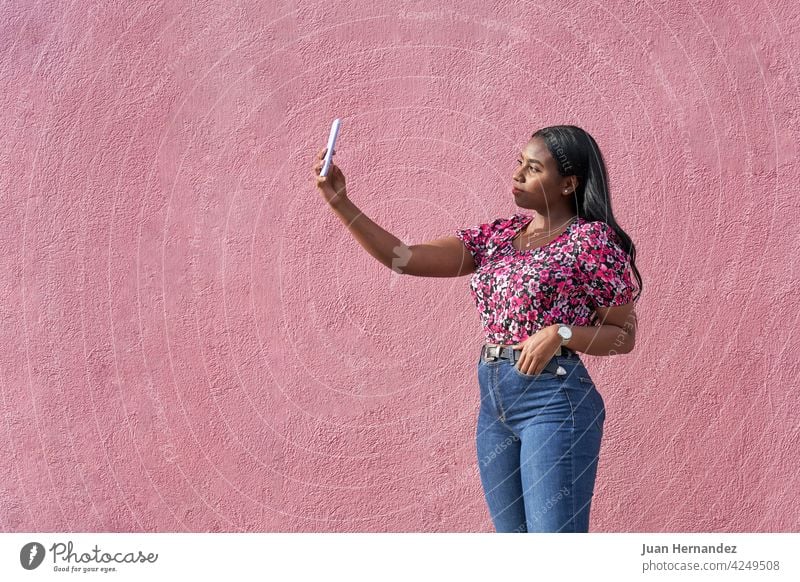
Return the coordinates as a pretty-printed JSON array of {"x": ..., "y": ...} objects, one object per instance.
[{"x": 193, "y": 341}]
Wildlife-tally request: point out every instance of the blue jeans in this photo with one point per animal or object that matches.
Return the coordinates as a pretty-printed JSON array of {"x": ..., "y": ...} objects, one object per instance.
[{"x": 538, "y": 442}]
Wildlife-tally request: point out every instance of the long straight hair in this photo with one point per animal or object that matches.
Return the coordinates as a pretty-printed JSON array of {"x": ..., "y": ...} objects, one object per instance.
[{"x": 577, "y": 154}]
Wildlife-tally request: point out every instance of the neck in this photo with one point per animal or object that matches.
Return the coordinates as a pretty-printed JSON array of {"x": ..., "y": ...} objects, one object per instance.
[{"x": 550, "y": 222}]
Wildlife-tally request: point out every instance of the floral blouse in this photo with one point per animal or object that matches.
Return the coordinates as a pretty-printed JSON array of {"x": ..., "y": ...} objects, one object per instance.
[{"x": 519, "y": 292}]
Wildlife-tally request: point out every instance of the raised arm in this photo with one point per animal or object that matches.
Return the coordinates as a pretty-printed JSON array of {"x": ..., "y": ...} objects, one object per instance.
[{"x": 443, "y": 257}]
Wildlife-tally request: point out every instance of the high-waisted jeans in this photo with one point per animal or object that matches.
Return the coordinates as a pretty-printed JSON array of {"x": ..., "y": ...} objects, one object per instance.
[{"x": 538, "y": 443}]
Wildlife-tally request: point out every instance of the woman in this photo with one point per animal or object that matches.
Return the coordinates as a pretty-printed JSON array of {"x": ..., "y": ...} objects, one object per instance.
[{"x": 546, "y": 287}]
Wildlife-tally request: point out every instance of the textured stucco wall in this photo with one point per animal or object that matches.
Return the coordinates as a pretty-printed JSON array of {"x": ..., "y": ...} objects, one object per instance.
[{"x": 191, "y": 340}]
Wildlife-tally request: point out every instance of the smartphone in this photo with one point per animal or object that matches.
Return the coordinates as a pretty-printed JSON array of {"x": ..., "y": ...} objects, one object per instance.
[{"x": 331, "y": 143}]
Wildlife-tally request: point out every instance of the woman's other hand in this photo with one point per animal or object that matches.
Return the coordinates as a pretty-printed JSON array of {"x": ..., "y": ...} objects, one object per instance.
[{"x": 538, "y": 349}]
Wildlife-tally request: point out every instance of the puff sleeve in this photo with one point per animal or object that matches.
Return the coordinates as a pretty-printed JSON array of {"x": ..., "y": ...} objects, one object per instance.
[
  {"x": 476, "y": 238},
  {"x": 605, "y": 267}
]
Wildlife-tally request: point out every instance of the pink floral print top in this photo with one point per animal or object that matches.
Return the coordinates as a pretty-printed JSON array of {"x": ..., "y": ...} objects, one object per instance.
[{"x": 519, "y": 292}]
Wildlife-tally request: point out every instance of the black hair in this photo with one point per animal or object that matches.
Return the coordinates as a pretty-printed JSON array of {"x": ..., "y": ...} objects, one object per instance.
[{"x": 577, "y": 154}]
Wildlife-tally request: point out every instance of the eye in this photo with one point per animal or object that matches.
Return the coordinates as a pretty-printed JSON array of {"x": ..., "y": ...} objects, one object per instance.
[{"x": 532, "y": 168}]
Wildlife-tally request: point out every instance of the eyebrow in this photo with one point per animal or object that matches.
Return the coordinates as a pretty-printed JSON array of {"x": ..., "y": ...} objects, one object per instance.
[{"x": 533, "y": 160}]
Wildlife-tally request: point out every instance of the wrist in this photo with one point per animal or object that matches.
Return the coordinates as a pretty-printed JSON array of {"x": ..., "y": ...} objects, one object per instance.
[
  {"x": 564, "y": 334},
  {"x": 339, "y": 200},
  {"x": 344, "y": 208}
]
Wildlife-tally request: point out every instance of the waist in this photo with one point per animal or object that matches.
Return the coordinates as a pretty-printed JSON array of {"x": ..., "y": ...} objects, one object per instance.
[{"x": 491, "y": 352}]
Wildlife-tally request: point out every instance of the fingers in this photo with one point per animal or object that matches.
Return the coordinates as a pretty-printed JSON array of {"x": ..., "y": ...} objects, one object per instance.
[
  {"x": 529, "y": 371},
  {"x": 334, "y": 173},
  {"x": 331, "y": 169},
  {"x": 522, "y": 362},
  {"x": 527, "y": 364}
]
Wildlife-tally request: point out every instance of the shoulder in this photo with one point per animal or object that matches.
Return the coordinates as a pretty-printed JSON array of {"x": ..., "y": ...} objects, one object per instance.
[
  {"x": 487, "y": 230},
  {"x": 598, "y": 244},
  {"x": 595, "y": 234},
  {"x": 506, "y": 222},
  {"x": 595, "y": 229}
]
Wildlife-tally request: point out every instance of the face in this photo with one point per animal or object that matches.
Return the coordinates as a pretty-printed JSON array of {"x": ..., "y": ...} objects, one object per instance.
[{"x": 536, "y": 182}]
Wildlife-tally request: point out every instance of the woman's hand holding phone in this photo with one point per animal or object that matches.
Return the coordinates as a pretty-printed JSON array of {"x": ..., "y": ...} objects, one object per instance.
[{"x": 332, "y": 186}]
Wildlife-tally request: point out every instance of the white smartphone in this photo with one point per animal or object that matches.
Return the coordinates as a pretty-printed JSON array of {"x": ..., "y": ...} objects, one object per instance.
[{"x": 331, "y": 143}]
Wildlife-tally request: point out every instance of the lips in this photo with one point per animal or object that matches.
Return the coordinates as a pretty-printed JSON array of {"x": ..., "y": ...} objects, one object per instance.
[{"x": 516, "y": 191}]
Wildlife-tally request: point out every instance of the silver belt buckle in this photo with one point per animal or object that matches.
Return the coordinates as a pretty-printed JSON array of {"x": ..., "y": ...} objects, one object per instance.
[{"x": 492, "y": 353}]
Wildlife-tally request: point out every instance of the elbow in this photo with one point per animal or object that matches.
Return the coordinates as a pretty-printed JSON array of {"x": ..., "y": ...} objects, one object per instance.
[
  {"x": 628, "y": 346},
  {"x": 620, "y": 350},
  {"x": 623, "y": 345}
]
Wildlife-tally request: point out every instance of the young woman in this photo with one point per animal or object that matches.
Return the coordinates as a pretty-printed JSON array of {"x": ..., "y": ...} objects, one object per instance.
[{"x": 547, "y": 286}]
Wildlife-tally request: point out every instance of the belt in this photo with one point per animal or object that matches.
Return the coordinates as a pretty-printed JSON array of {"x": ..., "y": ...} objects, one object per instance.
[{"x": 491, "y": 352}]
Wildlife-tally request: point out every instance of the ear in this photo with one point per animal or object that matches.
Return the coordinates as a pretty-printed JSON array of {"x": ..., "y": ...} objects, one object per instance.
[{"x": 572, "y": 184}]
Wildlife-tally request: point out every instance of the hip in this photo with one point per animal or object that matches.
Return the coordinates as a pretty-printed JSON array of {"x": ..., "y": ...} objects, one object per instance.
[{"x": 563, "y": 391}]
